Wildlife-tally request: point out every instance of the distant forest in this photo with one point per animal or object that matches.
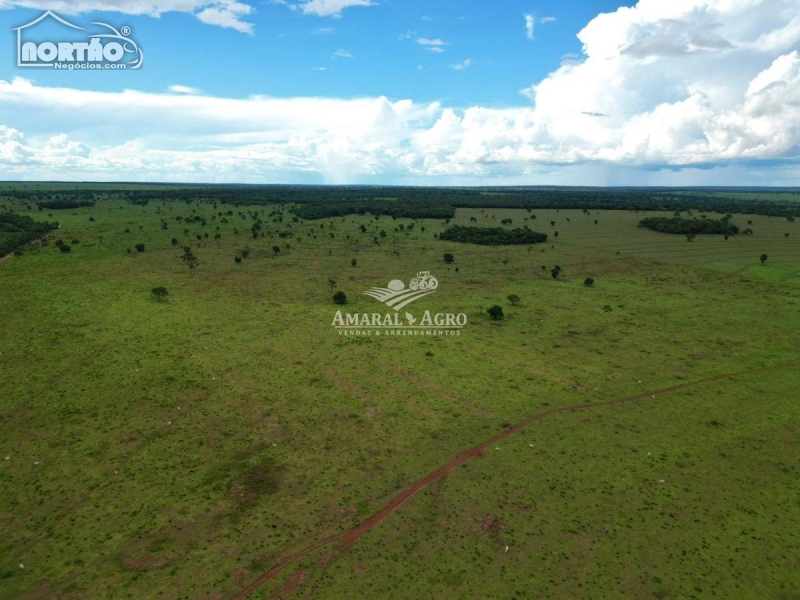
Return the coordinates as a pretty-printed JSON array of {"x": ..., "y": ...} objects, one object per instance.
[
  {"x": 689, "y": 226},
  {"x": 319, "y": 202},
  {"x": 16, "y": 231},
  {"x": 492, "y": 236}
]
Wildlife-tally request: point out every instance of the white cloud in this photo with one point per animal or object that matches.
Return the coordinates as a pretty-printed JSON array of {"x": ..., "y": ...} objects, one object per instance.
[
  {"x": 666, "y": 89},
  {"x": 432, "y": 45},
  {"x": 465, "y": 64},
  {"x": 546, "y": 20},
  {"x": 224, "y": 13},
  {"x": 530, "y": 25},
  {"x": 227, "y": 16},
  {"x": 183, "y": 89},
  {"x": 330, "y": 8},
  {"x": 342, "y": 54}
]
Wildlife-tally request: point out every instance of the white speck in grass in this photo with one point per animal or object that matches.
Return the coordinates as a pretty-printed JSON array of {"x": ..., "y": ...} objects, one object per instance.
[
  {"x": 660, "y": 481},
  {"x": 36, "y": 463},
  {"x": 8, "y": 458},
  {"x": 649, "y": 453},
  {"x": 497, "y": 448},
  {"x": 21, "y": 566},
  {"x": 532, "y": 446},
  {"x": 506, "y": 548},
  {"x": 169, "y": 422},
  {"x": 275, "y": 445}
]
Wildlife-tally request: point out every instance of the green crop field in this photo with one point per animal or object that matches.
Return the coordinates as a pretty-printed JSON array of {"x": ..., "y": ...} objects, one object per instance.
[{"x": 228, "y": 441}]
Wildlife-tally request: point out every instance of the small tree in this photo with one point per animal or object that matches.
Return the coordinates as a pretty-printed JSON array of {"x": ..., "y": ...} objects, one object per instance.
[
  {"x": 354, "y": 262},
  {"x": 64, "y": 248},
  {"x": 340, "y": 298},
  {"x": 139, "y": 247},
  {"x": 496, "y": 312},
  {"x": 189, "y": 258},
  {"x": 332, "y": 283},
  {"x": 514, "y": 299},
  {"x": 763, "y": 259},
  {"x": 160, "y": 293},
  {"x": 588, "y": 282},
  {"x": 449, "y": 258},
  {"x": 174, "y": 242},
  {"x": 555, "y": 272},
  {"x": 276, "y": 250}
]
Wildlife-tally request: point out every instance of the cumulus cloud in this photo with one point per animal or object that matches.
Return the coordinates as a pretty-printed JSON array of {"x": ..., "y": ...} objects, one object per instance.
[
  {"x": 224, "y": 13},
  {"x": 673, "y": 87},
  {"x": 329, "y": 8}
]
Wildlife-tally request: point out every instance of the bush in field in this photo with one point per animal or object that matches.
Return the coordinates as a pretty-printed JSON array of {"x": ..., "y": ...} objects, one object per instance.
[
  {"x": 496, "y": 312},
  {"x": 763, "y": 258},
  {"x": 64, "y": 248},
  {"x": 514, "y": 299},
  {"x": 588, "y": 282},
  {"x": 340, "y": 298},
  {"x": 159, "y": 293},
  {"x": 449, "y": 258},
  {"x": 139, "y": 247}
]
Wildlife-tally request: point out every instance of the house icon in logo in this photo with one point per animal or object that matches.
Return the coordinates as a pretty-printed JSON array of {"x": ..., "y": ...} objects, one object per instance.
[{"x": 19, "y": 30}]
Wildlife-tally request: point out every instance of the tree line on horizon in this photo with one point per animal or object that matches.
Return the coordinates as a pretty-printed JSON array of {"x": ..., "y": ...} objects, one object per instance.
[{"x": 320, "y": 202}]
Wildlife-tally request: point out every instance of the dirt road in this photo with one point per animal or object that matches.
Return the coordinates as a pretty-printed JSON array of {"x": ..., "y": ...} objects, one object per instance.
[{"x": 349, "y": 538}]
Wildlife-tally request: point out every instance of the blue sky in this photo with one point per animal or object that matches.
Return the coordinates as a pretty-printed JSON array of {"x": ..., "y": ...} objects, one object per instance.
[
  {"x": 288, "y": 50},
  {"x": 435, "y": 92}
]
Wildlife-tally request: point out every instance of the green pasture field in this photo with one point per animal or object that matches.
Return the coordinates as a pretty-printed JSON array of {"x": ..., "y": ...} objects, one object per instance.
[{"x": 183, "y": 449}]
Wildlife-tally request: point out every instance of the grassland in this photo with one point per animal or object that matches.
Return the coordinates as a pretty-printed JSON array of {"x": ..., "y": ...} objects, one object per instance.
[{"x": 183, "y": 449}]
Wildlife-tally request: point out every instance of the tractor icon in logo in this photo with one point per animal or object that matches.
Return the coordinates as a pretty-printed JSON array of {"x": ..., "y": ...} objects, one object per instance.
[
  {"x": 397, "y": 296},
  {"x": 424, "y": 281}
]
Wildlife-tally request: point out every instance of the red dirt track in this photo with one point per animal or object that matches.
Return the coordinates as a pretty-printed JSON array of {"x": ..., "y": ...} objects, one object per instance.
[{"x": 351, "y": 537}]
